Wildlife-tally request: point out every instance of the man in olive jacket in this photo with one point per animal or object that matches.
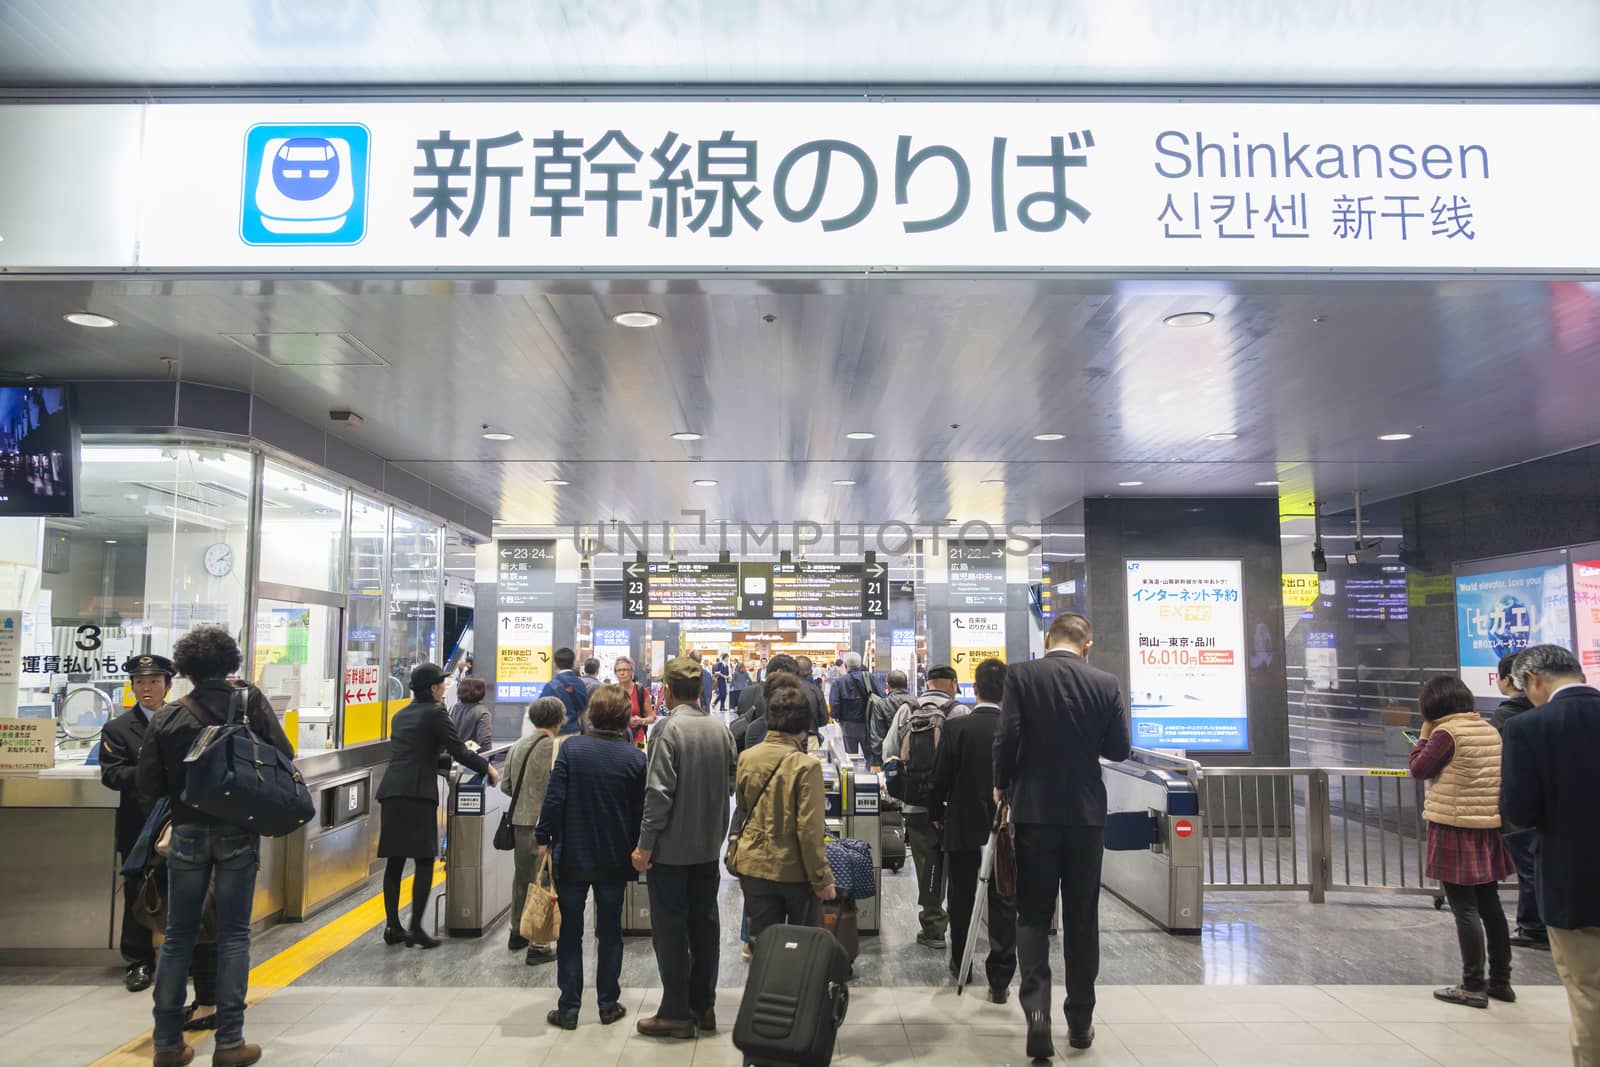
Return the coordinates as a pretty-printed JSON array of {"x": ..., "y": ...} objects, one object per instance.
[{"x": 687, "y": 783}]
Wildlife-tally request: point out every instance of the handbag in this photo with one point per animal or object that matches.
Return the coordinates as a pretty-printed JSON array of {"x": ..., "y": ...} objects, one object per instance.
[
  {"x": 237, "y": 778},
  {"x": 540, "y": 921},
  {"x": 841, "y": 918},
  {"x": 850, "y": 861},
  {"x": 736, "y": 825}
]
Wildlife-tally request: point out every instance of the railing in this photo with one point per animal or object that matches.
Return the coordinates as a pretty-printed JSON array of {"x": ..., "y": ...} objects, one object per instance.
[{"x": 1341, "y": 829}]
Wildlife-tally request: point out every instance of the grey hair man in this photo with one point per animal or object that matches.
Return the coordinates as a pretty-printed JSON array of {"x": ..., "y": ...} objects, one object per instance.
[
  {"x": 848, "y": 700},
  {"x": 1546, "y": 776}
]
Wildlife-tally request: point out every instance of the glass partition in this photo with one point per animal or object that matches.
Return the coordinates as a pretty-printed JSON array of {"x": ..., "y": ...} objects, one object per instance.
[
  {"x": 302, "y": 528},
  {"x": 413, "y": 601},
  {"x": 296, "y": 664},
  {"x": 160, "y": 544},
  {"x": 365, "y": 677}
]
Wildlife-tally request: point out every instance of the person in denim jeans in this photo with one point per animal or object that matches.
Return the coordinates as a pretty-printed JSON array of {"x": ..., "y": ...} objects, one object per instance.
[
  {"x": 204, "y": 850},
  {"x": 590, "y": 815}
]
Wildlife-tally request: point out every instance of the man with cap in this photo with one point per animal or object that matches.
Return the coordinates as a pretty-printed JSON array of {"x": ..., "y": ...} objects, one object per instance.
[
  {"x": 150, "y": 678},
  {"x": 689, "y": 776}
]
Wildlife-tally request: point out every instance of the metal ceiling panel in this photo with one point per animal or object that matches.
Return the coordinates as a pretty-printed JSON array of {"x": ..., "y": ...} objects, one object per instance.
[
  {"x": 955, "y": 379},
  {"x": 518, "y": 43}
]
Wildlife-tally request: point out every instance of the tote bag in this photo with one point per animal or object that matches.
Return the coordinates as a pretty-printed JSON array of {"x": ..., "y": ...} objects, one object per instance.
[{"x": 541, "y": 911}]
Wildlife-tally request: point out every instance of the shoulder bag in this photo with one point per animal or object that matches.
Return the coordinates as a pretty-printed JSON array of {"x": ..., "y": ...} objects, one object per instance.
[
  {"x": 730, "y": 858},
  {"x": 235, "y": 777},
  {"x": 505, "y": 835}
]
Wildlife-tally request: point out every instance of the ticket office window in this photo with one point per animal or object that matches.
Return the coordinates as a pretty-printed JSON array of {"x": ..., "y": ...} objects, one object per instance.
[
  {"x": 366, "y": 688},
  {"x": 295, "y": 662},
  {"x": 160, "y": 545},
  {"x": 414, "y": 592},
  {"x": 302, "y": 529}
]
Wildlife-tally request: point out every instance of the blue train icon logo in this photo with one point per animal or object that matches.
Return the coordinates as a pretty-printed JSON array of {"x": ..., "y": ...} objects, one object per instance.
[{"x": 305, "y": 184}]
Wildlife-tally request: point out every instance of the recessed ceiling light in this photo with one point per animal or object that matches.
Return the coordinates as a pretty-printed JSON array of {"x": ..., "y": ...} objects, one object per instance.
[
  {"x": 1049, "y": 436},
  {"x": 130, "y": 496},
  {"x": 1394, "y": 437},
  {"x": 556, "y": 481},
  {"x": 1225, "y": 435},
  {"x": 1268, "y": 483},
  {"x": 1189, "y": 318},
  {"x": 705, "y": 483},
  {"x": 687, "y": 435},
  {"x": 498, "y": 435},
  {"x": 1293, "y": 537},
  {"x": 1130, "y": 485},
  {"x": 993, "y": 481},
  {"x": 111, "y": 540},
  {"x": 638, "y": 320},
  {"x": 90, "y": 319},
  {"x": 844, "y": 481},
  {"x": 860, "y": 435}
]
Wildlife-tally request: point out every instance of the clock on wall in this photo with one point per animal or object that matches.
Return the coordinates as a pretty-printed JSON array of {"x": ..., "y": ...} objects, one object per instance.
[{"x": 219, "y": 560}]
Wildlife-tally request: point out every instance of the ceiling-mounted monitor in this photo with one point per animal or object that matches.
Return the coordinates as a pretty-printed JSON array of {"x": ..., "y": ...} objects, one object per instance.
[{"x": 38, "y": 451}]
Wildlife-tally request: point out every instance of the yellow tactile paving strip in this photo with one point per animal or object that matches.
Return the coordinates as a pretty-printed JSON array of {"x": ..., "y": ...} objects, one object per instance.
[{"x": 281, "y": 970}]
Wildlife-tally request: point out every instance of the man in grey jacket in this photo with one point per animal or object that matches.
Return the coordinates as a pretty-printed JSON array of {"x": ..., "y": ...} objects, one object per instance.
[
  {"x": 927, "y": 849},
  {"x": 688, "y": 780}
]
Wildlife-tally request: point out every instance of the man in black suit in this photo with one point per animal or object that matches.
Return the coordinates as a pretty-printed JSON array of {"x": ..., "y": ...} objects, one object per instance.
[
  {"x": 1546, "y": 776},
  {"x": 150, "y": 680},
  {"x": 1059, "y": 717},
  {"x": 962, "y": 808}
]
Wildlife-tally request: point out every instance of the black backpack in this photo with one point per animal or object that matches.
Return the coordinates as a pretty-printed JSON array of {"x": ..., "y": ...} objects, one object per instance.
[
  {"x": 238, "y": 778},
  {"x": 908, "y": 774}
]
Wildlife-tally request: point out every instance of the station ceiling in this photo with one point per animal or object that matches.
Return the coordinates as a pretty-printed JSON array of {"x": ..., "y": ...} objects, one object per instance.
[
  {"x": 955, "y": 379},
  {"x": 204, "y": 44}
]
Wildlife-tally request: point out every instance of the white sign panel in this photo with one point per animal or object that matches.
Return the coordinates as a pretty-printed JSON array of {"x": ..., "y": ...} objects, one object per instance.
[
  {"x": 27, "y": 744},
  {"x": 10, "y": 660},
  {"x": 523, "y": 654},
  {"x": 362, "y": 685},
  {"x": 681, "y": 186},
  {"x": 1187, "y": 654},
  {"x": 611, "y": 644}
]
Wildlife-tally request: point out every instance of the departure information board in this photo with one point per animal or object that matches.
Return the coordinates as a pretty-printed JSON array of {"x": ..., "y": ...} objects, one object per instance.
[{"x": 787, "y": 590}]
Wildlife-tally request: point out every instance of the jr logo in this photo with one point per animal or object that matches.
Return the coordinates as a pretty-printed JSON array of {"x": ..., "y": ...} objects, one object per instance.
[{"x": 305, "y": 184}]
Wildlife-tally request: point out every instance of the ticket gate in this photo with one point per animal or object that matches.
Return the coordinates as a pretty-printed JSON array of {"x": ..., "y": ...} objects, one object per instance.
[
  {"x": 862, "y": 822},
  {"x": 1153, "y": 857},
  {"x": 477, "y": 876}
]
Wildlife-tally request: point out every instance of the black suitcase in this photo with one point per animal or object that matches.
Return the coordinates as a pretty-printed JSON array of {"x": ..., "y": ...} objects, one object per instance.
[
  {"x": 794, "y": 999},
  {"x": 892, "y": 843}
]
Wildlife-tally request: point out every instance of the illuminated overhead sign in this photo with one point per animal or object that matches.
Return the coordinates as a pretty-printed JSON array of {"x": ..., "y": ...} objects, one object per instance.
[
  {"x": 787, "y": 590},
  {"x": 819, "y": 185}
]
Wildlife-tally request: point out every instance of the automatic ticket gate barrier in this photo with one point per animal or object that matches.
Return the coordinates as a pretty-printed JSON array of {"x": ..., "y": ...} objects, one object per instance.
[
  {"x": 852, "y": 794},
  {"x": 1153, "y": 856},
  {"x": 477, "y": 876}
]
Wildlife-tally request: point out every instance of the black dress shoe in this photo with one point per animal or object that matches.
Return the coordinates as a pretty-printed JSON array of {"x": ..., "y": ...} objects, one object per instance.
[
  {"x": 706, "y": 1021},
  {"x": 415, "y": 938},
  {"x": 998, "y": 996},
  {"x": 538, "y": 954},
  {"x": 565, "y": 1020},
  {"x": 518, "y": 942},
  {"x": 138, "y": 978},
  {"x": 612, "y": 1014},
  {"x": 1081, "y": 1038},
  {"x": 1040, "y": 1047},
  {"x": 394, "y": 935}
]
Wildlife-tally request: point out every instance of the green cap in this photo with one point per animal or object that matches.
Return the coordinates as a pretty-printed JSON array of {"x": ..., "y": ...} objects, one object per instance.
[{"x": 682, "y": 669}]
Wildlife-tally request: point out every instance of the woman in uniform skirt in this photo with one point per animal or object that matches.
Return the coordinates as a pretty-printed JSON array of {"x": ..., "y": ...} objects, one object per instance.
[{"x": 409, "y": 795}]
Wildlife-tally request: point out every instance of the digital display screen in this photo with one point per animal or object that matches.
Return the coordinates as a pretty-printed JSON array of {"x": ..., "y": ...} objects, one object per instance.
[
  {"x": 802, "y": 589},
  {"x": 1379, "y": 597},
  {"x": 1502, "y": 607},
  {"x": 38, "y": 452}
]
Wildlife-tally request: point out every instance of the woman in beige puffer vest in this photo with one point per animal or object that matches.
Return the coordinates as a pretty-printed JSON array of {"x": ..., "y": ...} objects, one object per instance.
[{"x": 1459, "y": 756}]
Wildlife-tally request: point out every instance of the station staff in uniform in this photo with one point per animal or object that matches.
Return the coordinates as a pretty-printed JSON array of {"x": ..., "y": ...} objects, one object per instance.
[{"x": 150, "y": 678}]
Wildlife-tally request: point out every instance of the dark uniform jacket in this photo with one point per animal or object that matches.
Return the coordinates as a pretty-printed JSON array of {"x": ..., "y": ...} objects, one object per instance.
[
  {"x": 172, "y": 733},
  {"x": 1060, "y": 717},
  {"x": 120, "y": 743},
  {"x": 1546, "y": 776},
  {"x": 418, "y": 735},
  {"x": 963, "y": 779}
]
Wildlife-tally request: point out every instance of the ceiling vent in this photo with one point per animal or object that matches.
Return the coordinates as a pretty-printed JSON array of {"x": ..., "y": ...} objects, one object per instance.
[{"x": 297, "y": 349}]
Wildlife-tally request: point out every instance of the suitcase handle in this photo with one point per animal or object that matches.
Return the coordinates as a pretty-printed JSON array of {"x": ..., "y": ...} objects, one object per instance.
[{"x": 839, "y": 995}]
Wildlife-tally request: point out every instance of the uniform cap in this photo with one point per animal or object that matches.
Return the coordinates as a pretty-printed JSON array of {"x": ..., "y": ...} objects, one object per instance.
[
  {"x": 426, "y": 675},
  {"x": 145, "y": 664}
]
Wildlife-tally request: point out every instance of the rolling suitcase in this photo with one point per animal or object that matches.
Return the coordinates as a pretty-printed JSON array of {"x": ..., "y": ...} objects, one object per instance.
[
  {"x": 892, "y": 836},
  {"x": 794, "y": 1000}
]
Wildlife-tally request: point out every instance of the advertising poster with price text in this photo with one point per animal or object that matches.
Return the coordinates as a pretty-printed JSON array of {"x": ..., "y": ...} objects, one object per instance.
[
  {"x": 1586, "y": 619},
  {"x": 1187, "y": 654}
]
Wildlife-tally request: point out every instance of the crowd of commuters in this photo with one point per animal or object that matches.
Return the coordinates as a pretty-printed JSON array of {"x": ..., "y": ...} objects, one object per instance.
[{"x": 1505, "y": 795}]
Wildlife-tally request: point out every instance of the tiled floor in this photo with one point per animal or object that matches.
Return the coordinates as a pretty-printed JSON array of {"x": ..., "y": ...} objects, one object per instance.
[{"x": 1138, "y": 1026}]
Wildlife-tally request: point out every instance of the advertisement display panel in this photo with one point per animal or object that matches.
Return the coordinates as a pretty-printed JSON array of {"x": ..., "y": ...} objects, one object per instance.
[
  {"x": 1502, "y": 607},
  {"x": 1586, "y": 609},
  {"x": 1186, "y": 644}
]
